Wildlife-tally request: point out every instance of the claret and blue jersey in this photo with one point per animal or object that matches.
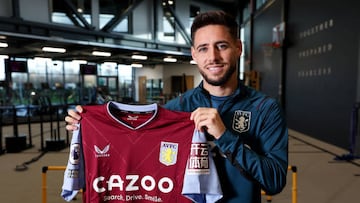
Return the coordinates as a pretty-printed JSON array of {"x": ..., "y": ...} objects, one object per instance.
[{"x": 139, "y": 153}]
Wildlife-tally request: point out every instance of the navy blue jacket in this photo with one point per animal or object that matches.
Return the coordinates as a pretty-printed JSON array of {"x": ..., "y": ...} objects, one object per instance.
[{"x": 252, "y": 154}]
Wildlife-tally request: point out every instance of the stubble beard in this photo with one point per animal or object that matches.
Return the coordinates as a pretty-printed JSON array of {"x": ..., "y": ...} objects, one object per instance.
[{"x": 221, "y": 80}]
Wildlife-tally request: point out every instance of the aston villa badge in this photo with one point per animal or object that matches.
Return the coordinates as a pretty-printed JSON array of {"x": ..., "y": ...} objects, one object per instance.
[
  {"x": 168, "y": 153},
  {"x": 241, "y": 121}
]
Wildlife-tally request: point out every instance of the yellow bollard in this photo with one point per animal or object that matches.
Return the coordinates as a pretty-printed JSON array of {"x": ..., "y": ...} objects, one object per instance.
[{"x": 44, "y": 186}]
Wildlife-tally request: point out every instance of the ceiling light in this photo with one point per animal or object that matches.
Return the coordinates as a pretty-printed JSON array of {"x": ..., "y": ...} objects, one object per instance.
[
  {"x": 54, "y": 49},
  {"x": 173, "y": 60},
  {"x": 79, "y": 61},
  {"x": 3, "y": 44},
  {"x": 193, "y": 62},
  {"x": 139, "y": 57},
  {"x": 136, "y": 65},
  {"x": 4, "y": 56},
  {"x": 100, "y": 53}
]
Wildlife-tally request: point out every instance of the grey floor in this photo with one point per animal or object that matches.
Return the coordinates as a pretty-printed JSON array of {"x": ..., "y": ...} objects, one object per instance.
[{"x": 319, "y": 178}]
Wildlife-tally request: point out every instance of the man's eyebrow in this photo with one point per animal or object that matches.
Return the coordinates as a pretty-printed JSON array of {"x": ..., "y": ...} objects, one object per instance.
[
  {"x": 222, "y": 41},
  {"x": 201, "y": 45},
  {"x": 218, "y": 42}
]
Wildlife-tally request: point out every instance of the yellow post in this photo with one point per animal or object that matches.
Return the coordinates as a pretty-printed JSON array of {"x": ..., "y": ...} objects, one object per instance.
[
  {"x": 268, "y": 197},
  {"x": 294, "y": 183},
  {"x": 44, "y": 170},
  {"x": 57, "y": 168}
]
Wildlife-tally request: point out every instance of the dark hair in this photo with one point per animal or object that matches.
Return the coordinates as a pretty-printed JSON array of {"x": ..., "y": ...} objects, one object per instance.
[{"x": 215, "y": 18}]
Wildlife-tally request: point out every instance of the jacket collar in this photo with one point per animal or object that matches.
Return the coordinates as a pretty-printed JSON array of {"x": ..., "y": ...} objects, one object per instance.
[{"x": 240, "y": 92}]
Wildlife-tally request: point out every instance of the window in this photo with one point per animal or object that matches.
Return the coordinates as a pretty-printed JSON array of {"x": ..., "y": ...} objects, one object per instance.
[
  {"x": 126, "y": 81},
  {"x": 168, "y": 21},
  {"x": 110, "y": 9},
  {"x": 2, "y": 69},
  {"x": 68, "y": 13}
]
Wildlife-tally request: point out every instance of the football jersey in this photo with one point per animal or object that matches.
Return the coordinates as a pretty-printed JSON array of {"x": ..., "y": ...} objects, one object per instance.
[{"x": 139, "y": 153}]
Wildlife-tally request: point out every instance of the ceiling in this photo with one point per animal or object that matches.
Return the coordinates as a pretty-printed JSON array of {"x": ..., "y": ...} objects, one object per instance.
[
  {"x": 23, "y": 47},
  {"x": 25, "y": 40}
]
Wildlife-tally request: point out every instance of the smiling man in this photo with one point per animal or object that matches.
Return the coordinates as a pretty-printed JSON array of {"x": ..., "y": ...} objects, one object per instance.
[{"x": 245, "y": 128}]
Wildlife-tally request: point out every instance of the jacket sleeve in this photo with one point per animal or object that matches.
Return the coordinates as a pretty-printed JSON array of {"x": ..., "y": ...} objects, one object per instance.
[{"x": 267, "y": 160}]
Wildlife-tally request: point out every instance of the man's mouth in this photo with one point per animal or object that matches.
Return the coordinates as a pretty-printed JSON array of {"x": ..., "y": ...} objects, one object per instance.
[{"x": 215, "y": 68}]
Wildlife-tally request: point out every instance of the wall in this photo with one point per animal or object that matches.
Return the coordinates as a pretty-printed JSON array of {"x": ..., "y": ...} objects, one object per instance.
[
  {"x": 6, "y": 8},
  {"x": 322, "y": 65},
  {"x": 155, "y": 72},
  {"x": 142, "y": 20},
  {"x": 267, "y": 60},
  {"x": 322, "y": 68},
  {"x": 178, "y": 70},
  {"x": 38, "y": 13},
  {"x": 165, "y": 72}
]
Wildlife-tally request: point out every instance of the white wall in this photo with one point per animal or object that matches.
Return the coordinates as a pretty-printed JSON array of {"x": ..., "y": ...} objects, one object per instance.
[{"x": 155, "y": 72}]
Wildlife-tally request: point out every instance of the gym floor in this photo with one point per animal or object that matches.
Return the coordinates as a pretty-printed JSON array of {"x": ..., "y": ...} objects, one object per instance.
[{"x": 319, "y": 177}]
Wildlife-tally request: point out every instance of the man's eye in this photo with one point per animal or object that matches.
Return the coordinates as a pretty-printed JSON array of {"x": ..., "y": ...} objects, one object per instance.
[
  {"x": 222, "y": 46},
  {"x": 202, "y": 49}
]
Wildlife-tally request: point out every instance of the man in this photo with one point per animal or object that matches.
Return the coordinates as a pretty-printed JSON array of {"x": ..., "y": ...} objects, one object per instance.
[{"x": 247, "y": 128}]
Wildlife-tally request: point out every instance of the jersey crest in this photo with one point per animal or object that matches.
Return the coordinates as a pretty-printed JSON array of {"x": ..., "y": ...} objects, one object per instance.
[
  {"x": 168, "y": 153},
  {"x": 241, "y": 121}
]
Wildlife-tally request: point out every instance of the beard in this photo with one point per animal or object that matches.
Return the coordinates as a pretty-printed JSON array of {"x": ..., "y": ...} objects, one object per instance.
[{"x": 219, "y": 81}]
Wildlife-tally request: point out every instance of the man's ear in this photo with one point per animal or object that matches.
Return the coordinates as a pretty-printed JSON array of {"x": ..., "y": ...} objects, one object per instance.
[
  {"x": 193, "y": 53},
  {"x": 239, "y": 47}
]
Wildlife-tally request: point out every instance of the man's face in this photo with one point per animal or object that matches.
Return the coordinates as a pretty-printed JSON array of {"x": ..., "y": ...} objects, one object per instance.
[{"x": 216, "y": 54}]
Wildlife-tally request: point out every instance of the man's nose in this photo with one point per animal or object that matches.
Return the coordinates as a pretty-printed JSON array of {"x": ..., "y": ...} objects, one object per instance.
[{"x": 213, "y": 53}]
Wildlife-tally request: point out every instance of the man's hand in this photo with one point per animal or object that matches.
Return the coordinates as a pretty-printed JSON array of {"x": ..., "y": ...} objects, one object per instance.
[
  {"x": 209, "y": 119},
  {"x": 73, "y": 118}
]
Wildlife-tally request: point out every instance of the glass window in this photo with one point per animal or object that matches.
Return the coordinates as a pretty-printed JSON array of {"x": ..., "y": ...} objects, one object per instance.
[
  {"x": 2, "y": 69},
  {"x": 112, "y": 8},
  {"x": 260, "y": 3},
  {"x": 242, "y": 57},
  {"x": 194, "y": 11},
  {"x": 19, "y": 81},
  {"x": 123, "y": 26},
  {"x": 126, "y": 81},
  {"x": 37, "y": 71},
  {"x": 3, "y": 82},
  {"x": 108, "y": 69},
  {"x": 168, "y": 22},
  {"x": 56, "y": 74},
  {"x": 64, "y": 14},
  {"x": 71, "y": 83}
]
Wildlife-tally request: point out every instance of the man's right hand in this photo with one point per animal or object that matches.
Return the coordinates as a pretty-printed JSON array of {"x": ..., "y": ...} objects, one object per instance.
[{"x": 73, "y": 118}]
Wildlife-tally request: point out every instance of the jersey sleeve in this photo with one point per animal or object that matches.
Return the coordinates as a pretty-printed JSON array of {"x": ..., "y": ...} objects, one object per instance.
[
  {"x": 74, "y": 178},
  {"x": 201, "y": 181}
]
